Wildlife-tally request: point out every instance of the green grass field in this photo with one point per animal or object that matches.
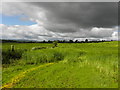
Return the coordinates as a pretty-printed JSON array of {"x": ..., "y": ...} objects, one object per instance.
[{"x": 74, "y": 65}]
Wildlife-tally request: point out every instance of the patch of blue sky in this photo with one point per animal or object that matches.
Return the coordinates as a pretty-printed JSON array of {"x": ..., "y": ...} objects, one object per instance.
[
  {"x": 15, "y": 20},
  {"x": 0, "y": 18}
]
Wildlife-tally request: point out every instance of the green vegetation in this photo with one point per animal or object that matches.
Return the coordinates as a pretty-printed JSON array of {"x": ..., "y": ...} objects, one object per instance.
[
  {"x": 10, "y": 55},
  {"x": 76, "y": 65},
  {"x": 55, "y": 44}
]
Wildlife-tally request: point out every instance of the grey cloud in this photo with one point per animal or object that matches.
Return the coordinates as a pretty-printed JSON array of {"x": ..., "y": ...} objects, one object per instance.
[
  {"x": 62, "y": 28},
  {"x": 84, "y": 14}
]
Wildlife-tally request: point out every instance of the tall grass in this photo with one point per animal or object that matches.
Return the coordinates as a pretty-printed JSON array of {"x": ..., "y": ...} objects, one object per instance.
[{"x": 8, "y": 56}]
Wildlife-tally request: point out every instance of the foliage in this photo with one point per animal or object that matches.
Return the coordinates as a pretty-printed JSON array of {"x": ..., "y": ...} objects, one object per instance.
[
  {"x": 55, "y": 43},
  {"x": 42, "y": 56},
  {"x": 9, "y": 55}
]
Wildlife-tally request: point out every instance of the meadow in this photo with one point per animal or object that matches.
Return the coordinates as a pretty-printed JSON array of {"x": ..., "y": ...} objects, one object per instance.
[{"x": 69, "y": 65}]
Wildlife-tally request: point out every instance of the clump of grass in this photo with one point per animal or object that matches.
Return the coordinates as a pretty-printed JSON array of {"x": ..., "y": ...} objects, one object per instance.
[
  {"x": 57, "y": 56},
  {"x": 75, "y": 57},
  {"x": 42, "y": 56}
]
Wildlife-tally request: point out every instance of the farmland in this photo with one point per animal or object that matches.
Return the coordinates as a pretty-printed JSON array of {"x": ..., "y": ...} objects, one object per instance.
[{"x": 70, "y": 65}]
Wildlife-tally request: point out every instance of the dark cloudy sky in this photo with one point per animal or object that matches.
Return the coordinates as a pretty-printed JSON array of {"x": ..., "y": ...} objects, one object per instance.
[{"x": 59, "y": 20}]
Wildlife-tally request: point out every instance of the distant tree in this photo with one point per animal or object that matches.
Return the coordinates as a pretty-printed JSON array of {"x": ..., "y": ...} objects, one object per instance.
[
  {"x": 103, "y": 40},
  {"x": 63, "y": 41},
  {"x": 43, "y": 41},
  {"x": 76, "y": 41},
  {"x": 58, "y": 41},
  {"x": 86, "y": 40},
  {"x": 49, "y": 41},
  {"x": 70, "y": 41}
]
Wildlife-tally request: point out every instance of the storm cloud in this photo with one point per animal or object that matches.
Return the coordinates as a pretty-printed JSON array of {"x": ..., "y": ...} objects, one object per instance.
[{"x": 83, "y": 14}]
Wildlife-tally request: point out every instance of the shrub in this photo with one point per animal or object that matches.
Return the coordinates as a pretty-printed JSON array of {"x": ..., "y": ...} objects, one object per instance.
[
  {"x": 8, "y": 55},
  {"x": 55, "y": 44}
]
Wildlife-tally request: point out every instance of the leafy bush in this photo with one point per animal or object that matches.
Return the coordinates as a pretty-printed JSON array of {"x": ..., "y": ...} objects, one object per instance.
[
  {"x": 8, "y": 55},
  {"x": 55, "y": 44}
]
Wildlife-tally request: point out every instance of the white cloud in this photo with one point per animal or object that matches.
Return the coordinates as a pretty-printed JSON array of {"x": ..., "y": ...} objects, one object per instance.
[
  {"x": 32, "y": 12},
  {"x": 25, "y": 32},
  {"x": 101, "y": 32},
  {"x": 37, "y": 32},
  {"x": 114, "y": 36}
]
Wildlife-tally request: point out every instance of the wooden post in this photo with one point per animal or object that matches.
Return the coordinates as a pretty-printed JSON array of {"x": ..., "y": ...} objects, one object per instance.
[{"x": 12, "y": 48}]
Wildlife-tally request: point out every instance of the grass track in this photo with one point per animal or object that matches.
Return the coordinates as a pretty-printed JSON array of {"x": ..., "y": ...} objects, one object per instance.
[{"x": 21, "y": 75}]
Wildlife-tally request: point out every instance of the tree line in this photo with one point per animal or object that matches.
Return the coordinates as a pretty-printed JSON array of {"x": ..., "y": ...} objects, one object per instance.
[{"x": 51, "y": 41}]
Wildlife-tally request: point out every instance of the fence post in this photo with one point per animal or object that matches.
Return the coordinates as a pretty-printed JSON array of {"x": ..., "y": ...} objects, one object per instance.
[{"x": 12, "y": 48}]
